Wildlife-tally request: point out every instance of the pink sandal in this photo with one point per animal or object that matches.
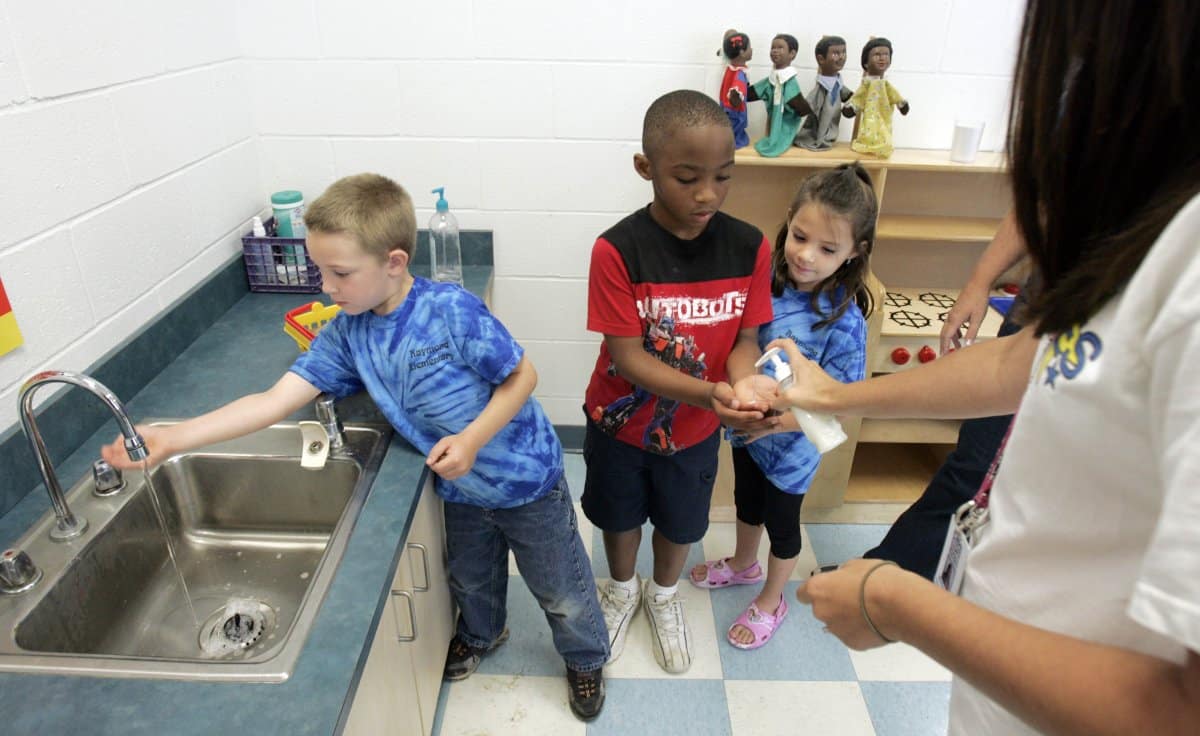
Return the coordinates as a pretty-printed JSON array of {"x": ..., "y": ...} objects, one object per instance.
[
  {"x": 762, "y": 625},
  {"x": 720, "y": 575}
]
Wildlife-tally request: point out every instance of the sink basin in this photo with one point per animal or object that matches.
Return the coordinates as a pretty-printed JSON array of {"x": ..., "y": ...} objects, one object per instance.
[{"x": 221, "y": 581}]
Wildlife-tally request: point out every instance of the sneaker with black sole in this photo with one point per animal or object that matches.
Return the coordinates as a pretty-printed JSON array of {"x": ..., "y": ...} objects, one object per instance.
[
  {"x": 585, "y": 691},
  {"x": 463, "y": 659},
  {"x": 618, "y": 606}
]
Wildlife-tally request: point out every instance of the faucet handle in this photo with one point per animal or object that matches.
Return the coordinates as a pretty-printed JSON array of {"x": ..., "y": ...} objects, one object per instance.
[
  {"x": 17, "y": 572},
  {"x": 108, "y": 479}
]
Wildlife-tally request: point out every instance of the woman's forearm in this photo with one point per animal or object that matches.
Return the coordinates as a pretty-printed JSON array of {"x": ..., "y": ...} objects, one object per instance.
[
  {"x": 1056, "y": 683},
  {"x": 986, "y": 379}
]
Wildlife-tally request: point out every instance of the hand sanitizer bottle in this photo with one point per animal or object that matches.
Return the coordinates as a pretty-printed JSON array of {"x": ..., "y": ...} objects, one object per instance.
[
  {"x": 823, "y": 430},
  {"x": 445, "y": 255}
]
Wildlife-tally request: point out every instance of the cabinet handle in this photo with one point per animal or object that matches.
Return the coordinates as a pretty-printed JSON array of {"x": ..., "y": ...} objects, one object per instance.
[
  {"x": 424, "y": 564},
  {"x": 412, "y": 616}
]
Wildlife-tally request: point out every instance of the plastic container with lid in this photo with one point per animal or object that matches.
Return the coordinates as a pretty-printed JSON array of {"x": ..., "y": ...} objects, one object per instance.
[{"x": 288, "y": 207}]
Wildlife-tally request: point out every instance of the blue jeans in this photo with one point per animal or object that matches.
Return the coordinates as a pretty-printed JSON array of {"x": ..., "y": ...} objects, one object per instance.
[{"x": 544, "y": 537}]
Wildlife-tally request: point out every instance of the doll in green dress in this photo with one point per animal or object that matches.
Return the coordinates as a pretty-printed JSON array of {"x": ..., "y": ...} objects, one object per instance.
[
  {"x": 874, "y": 100},
  {"x": 786, "y": 106}
]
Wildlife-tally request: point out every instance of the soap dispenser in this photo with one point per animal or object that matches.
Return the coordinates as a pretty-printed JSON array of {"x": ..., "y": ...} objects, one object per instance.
[
  {"x": 823, "y": 430},
  {"x": 445, "y": 254}
]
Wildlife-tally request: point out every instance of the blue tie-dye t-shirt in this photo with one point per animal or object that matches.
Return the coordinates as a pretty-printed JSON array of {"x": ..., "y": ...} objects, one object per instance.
[
  {"x": 431, "y": 366},
  {"x": 789, "y": 459}
]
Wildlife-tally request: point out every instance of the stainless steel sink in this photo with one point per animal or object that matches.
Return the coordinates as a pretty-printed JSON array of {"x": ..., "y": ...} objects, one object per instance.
[{"x": 256, "y": 540}]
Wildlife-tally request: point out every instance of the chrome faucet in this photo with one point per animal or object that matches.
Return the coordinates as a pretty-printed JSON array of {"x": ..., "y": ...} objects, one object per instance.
[
  {"x": 329, "y": 419},
  {"x": 68, "y": 525}
]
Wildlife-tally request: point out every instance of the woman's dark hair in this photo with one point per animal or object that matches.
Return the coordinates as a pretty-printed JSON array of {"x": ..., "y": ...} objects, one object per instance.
[
  {"x": 875, "y": 43},
  {"x": 1096, "y": 175},
  {"x": 792, "y": 44},
  {"x": 845, "y": 192}
]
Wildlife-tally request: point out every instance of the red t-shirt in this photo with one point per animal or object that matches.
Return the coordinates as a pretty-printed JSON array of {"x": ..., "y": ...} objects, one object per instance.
[
  {"x": 687, "y": 299},
  {"x": 735, "y": 78}
]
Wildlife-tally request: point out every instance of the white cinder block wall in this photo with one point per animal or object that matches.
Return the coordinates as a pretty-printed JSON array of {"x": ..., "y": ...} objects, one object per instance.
[
  {"x": 529, "y": 112},
  {"x": 129, "y": 168},
  {"x": 127, "y": 135}
]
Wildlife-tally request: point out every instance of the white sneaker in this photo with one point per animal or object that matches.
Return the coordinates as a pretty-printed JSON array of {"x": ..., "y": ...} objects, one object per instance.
[
  {"x": 619, "y": 607},
  {"x": 670, "y": 637}
]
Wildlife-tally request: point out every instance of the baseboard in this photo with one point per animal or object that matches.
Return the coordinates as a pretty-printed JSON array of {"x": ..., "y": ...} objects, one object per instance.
[{"x": 571, "y": 436}]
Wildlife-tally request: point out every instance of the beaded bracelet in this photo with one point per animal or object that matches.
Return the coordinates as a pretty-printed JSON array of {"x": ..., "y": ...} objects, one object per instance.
[{"x": 862, "y": 601}]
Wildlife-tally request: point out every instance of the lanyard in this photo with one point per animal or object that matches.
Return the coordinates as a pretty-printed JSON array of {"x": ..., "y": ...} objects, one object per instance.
[{"x": 974, "y": 513}]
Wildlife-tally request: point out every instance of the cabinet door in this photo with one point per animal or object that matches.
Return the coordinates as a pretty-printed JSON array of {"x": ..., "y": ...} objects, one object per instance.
[
  {"x": 386, "y": 700},
  {"x": 426, "y": 552}
]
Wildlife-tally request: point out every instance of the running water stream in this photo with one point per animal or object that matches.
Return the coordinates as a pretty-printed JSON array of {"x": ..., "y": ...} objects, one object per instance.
[{"x": 162, "y": 526}]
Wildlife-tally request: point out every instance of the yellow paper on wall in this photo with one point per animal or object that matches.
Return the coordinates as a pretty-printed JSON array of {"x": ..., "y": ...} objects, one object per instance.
[{"x": 10, "y": 335}]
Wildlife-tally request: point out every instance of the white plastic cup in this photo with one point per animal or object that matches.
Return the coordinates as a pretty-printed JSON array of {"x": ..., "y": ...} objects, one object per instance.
[{"x": 967, "y": 135}]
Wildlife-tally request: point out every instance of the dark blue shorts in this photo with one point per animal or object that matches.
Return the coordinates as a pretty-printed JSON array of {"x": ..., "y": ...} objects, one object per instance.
[{"x": 626, "y": 485}]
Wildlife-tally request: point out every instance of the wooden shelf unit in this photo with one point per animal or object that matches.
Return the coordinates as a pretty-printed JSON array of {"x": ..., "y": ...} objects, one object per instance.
[
  {"x": 929, "y": 227},
  {"x": 908, "y": 431},
  {"x": 936, "y": 217}
]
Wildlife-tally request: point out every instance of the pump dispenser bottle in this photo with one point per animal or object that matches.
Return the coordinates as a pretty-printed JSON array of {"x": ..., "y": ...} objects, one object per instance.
[
  {"x": 823, "y": 430},
  {"x": 445, "y": 254}
]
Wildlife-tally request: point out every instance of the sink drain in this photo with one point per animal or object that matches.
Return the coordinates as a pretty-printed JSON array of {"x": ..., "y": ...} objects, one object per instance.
[{"x": 236, "y": 627}]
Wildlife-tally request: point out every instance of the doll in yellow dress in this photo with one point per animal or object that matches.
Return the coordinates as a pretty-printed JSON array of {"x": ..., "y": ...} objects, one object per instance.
[{"x": 873, "y": 101}]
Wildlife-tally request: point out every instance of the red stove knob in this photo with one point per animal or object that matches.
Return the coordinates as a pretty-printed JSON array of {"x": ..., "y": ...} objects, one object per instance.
[
  {"x": 1010, "y": 289},
  {"x": 900, "y": 356},
  {"x": 926, "y": 354}
]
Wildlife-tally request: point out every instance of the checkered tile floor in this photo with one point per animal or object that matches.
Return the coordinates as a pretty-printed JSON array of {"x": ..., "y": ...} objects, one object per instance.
[{"x": 803, "y": 681}]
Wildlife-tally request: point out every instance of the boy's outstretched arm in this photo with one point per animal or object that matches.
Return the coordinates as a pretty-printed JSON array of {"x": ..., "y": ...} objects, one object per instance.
[
  {"x": 641, "y": 368},
  {"x": 745, "y": 353},
  {"x": 452, "y": 456},
  {"x": 241, "y": 416}
]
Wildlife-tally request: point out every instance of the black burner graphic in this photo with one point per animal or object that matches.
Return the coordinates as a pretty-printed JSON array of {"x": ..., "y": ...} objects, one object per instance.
[
  {"x": 905, "y": 318},
  {"x": 935, "y": 299},
  {"x": 896, "y": 299}
]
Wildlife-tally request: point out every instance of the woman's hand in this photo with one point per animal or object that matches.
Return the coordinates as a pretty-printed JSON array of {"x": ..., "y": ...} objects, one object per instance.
[
  {"x": 811, "y": 386},
  {"x": 964, "y": 318},
  {"x": 839, "y": 598}
]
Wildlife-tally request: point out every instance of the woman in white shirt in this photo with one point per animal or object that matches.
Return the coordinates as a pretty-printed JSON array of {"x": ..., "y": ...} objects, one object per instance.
[{"x": 1080, "y": 607}]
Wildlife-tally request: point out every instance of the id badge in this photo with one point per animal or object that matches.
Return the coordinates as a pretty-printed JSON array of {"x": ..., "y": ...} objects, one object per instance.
[{"x": 952, "y": 565}]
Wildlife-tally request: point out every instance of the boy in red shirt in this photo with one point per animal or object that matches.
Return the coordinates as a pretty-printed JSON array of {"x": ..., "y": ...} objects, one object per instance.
[{"x": 678, "y": 290}]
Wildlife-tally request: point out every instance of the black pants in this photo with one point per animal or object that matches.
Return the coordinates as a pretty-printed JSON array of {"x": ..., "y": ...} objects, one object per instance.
[
  {"x": 915, "y": 540},
  {"x": 760, "y": 502}
]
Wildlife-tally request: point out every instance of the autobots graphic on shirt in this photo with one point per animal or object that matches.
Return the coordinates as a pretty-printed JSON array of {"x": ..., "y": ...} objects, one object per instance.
[{"x": 678, "y": 351}]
